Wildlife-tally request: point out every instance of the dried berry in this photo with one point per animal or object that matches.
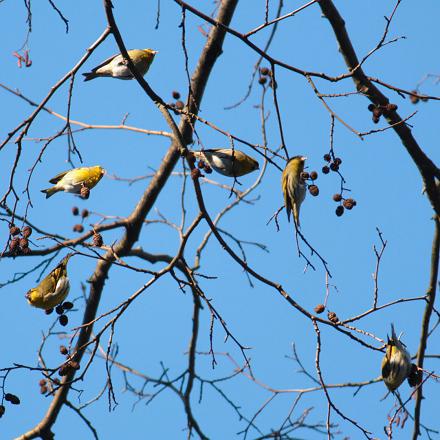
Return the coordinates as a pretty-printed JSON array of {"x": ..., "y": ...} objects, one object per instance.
[
  {"x": 327, "y": 157},
  {"x": 391, "y": 107},
  {"x": 337, "y": 197},
  {"x": 48, "y": 311},
  {"x": 56, "y": 381},
  {"x": 264, "y": 71},
  {"x": 2, "y": 411},
  {"x": 97, "y": 240},
  {"x": 42, "y": 382},
  {"x": 305, "y": 175},
  {"x": 26, "y": 232},
  {"x": 84, "y": 213},
  {"x": 43, "y": 389},
  {"x": 67, "y": 305},
  {"x": 63, "y": 350},
  {"x": 201, "y": 164},
  {"x": 24, "y": 243},
  {"x": 413, "y": 98},
  {"x": 64, "y": 370},
  {"x": 325, "y": 169},
  {"x": 26, "y": 251},
  {"x": 75, "y": 210},
  {"x": 75, "y": 365},
  {"x": 14, "y": 230},
  {"x": 332, "y": 317},
  {"x": 180, "y": 105},
  {"x": 262, "y": 80},
  {"x": 78, "y": 228},
  {"x": 339, "y": 210},
  {"x": 371, "y": 107},
  {"x": 348, "y": 204},
  {"x": 313, "y": 190},
  {"x": 334, "y": 167},
  {"x": 195, "y": 173},
  {"x": 313, "y": 175},
  {"x": 377, "y": 112},
  {"x": 376, "y": 119},
  {"x": 12, "y": 398},
  {"x": 64, "y": 320},
  {"x": 13, "y": 245},
  {"x": 319, "y": 308},
  {"x": 338, "y": 161},
  {"x": 85, "y": 192},
  {"x": 208, "y": 169},
  {"x": 59, "y": 309},
  {"x": 176, "y": 94}
]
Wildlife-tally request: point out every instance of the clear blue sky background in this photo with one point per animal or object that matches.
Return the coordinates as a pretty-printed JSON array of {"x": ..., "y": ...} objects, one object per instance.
[{"x": 157, "y": 327}]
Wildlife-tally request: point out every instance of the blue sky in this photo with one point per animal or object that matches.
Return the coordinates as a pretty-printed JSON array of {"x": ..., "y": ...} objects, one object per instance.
[{"x": 156, "y": 328}]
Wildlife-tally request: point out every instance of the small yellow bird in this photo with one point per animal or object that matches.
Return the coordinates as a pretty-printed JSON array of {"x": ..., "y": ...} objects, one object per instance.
[
  {"x": 53, "y": 289},
  {"x": 293, "y": 186},
  {"x": 116, "y": 66},
  {"x": 227, "y": 161},
  {"x": 396, "y": 364},
  {"x": 73, "y": 180}
]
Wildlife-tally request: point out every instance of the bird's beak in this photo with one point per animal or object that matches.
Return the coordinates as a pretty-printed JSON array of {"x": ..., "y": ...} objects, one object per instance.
[
  {"x": 154, "y": 52},
  {"x": 304, "y": 158}
]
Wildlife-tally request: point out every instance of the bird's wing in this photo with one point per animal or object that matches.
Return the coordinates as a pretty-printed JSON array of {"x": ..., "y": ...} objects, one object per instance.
[
  {"x": 58, "y": 177},
  {"x": 386, "y": 367},
  {"x": 107, "y": 61},
  {"x": 49, "y": 283},
  {"x": 287, "y": 204}
]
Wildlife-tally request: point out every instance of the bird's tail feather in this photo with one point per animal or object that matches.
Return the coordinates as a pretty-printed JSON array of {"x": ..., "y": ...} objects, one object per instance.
[
  {"x": 50, "y": 191},
  {"x": 90, "y": 75}
]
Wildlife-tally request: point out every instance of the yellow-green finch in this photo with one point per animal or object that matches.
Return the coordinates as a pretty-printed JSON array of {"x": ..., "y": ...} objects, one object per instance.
[
  {"x": 53, "y": 289},
  {"x": 294, "y": 188},
  {"x": 227, "y": 161},
  {"x": 116, "y": 66},
  {"x": 73, "y": 180},
  {"x": 396, "y": 364}
]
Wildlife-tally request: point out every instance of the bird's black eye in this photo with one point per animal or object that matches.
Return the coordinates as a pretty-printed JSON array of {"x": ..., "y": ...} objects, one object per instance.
[{"x": 121, "y": 63}]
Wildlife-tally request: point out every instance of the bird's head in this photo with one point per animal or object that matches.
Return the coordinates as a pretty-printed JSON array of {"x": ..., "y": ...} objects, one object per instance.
[
  {"x": 98, "y": 171},
  {"x": 149, "y": 53},
  {"x": 296, "y": 163},
  {"x": 254, "y": 165},
  {"x": 31, "y": 295}
]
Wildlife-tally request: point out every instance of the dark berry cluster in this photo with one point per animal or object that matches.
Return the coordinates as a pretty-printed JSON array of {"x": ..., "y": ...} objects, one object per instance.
[
  {"x": 416, "y": 97},
  {"x": 312, "y": 187},
  {"x": 331, "y": 164},
  {"x": 12, "y": 399},
  {"x": 379, "y": 110},
  {"x": 61, "y": 309},
  {"x": 19, "y": 243},
  {"x": 266, "y": 75},
  {"x": 70, "y": 363},
  {"x": 177, "y": 105},
  {"x": 344, "y": 203}
]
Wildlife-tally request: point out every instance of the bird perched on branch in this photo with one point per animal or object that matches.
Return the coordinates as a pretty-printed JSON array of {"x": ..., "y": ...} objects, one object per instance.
[
  {"x": 396, "y": 364},
  {"x": 116, "y": 66},
  {"x": 75, "y": 180},
  {"x": 53, "y": 289},
  {"x": 227, "y": 161},
  {"x": 293, "y": 186}
]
